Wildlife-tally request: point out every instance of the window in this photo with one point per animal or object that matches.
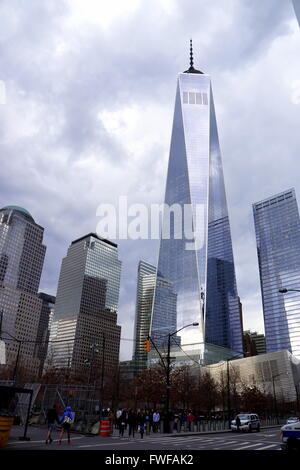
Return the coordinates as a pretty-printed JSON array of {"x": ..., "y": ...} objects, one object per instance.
[{"x": 192, "y": 97}]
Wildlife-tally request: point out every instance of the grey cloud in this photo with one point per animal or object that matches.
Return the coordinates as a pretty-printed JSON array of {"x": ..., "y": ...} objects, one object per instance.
[{"x": 135, "y": 62}]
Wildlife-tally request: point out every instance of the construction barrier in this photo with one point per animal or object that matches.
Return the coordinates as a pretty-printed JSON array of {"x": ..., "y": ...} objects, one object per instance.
[
  {"x": 105, "y": 428},
  {"x": 6, "y": 423}
]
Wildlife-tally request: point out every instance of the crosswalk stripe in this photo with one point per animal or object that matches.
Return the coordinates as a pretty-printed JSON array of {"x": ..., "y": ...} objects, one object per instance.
[
  {"x": 268, "y": 447},
  {"x": 251, "y": 445}
]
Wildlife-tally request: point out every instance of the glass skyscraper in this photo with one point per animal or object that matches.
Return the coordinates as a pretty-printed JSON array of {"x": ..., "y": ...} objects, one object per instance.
[
  {"x": 277, "y": 228},
  {"x": 196, "y": 275},
  {"x": 22, "y": 254},
  {"x": 85, "y": 312},
  {"x": 143, "y": 310}
]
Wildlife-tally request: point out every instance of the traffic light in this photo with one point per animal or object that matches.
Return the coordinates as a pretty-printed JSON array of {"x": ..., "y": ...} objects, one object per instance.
[{"x": 147, "y": 345}]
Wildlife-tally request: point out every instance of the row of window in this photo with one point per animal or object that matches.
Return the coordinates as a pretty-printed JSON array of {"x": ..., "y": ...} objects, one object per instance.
[{"x": 194, "y": 98}]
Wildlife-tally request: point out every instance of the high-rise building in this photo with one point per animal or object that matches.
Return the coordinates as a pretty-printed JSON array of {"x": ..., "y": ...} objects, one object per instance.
[
  {"x": 143, "y": 310},
  {"x": 277, "y": 228},
  {"x": 296, "y": 4},
  {"x": 43, "y": 333},
  {"x": 196, "y": 275},
  {"x": 21, "y": 261},
  {"x": 255, "y": 343},
  {"x": 84, "y": 329}
]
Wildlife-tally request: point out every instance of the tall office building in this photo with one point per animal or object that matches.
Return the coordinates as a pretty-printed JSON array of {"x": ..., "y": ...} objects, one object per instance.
[
  {"x": 277, "y": 228},
  {"x": 84, "y": 328},
  {"x": 22, "y": 256},
  {"x": 255, "y": 343},
  {"x": 196, "y": 275},
  {"x": 143, "y": 310},
  {"x": 296, "y": 4},
  {"x": 43, "y": 333}
]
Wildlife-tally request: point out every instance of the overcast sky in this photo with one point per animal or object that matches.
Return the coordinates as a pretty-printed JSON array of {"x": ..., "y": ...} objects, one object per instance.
[{"x": 90, "y": 89}]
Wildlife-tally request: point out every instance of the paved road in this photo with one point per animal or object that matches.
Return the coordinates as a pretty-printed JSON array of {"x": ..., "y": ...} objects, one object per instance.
[{"x": 267, "y": 439}]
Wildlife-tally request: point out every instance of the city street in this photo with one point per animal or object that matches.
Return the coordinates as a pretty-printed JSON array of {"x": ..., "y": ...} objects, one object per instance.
[{"x": 267, "y": 439}]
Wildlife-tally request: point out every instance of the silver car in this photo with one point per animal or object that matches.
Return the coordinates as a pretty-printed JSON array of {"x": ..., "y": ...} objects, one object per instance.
[{"x": 249, "y": 422}]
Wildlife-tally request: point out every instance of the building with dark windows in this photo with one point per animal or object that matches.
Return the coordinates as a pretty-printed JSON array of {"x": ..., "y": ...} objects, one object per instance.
[
  {"x": 85, "y": 337},
  {"x": 254, "y": 343},
  {"x": 22, "y": 256},
  {"x": 43, "y": 333},
  {"x": 143, "y": 310},
  {"x": 277, "y": 228},
  {"x": 196, "y": 275}
]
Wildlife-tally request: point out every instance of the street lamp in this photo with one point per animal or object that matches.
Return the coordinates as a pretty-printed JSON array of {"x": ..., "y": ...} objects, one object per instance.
[{"x": 168, "y": 385}]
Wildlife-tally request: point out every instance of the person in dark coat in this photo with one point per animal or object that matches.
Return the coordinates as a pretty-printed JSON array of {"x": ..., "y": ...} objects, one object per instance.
[
  {"x": 122, "y": 423},
  {"x": 51, "y": 418},
  {"x": 141, "y": 420},
  {"x": 132, "y": 420}
]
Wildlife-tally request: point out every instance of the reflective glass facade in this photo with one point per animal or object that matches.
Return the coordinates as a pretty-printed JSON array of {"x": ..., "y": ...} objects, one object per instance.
[
  {"x": 196, "y": 276},
  {"x": 86, "y": 305},
  {"x": 144, "y": 301},
  {"x": 21, "y": 262},
  {"x": 277, "y": 228}
]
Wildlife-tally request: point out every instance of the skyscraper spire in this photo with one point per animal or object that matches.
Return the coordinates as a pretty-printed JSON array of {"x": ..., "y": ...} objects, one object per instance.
[
  {"x": 192, "y": 69},
  {"x": 191, "y": 54}
]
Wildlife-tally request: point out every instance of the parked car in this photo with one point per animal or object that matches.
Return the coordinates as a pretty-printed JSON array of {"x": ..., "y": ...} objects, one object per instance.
[
  {"x": 290, "y": 437},
  {"x": 292, "y": 419},
  {"x": 249, "y": 422}
]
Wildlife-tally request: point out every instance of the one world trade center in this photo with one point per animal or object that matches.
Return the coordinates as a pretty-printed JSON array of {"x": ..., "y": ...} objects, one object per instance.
[{"x": 195, "y": 275}]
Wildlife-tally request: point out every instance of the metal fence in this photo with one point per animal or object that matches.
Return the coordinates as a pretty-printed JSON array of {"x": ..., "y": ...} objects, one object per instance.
[{"x": 201, "y": 426}]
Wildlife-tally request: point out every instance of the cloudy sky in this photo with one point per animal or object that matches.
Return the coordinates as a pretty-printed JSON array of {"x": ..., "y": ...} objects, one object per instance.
[{"x": 87, "y": 116}]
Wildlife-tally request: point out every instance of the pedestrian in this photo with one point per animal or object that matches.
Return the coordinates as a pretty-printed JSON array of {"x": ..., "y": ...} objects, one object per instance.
[
  {"x": 122, "y": 422},
  {"x": 191, "y": 419},
  {"x": 156, "y": 420},
  {"x": 132, "y": 418},
  {"x": 238, "y": 423},
  {"x": 141, "y": 419},
  {"x": 66, "y": 420},
  {"x": 51, "y": 418}
]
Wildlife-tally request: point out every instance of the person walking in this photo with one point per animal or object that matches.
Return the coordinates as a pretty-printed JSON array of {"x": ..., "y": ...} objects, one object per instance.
[
  {"x": 117, "y": 418},
  {"x": 131, "y": 422},
  {"x": 122, "y": 423},
  {"x": 191, "y": 419},
  {"x": 66, "y": 421},
  {"x": 141, "y": 419},
  {"x": 156, "y": 420},
  {"x": 51, "y": 418}
]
